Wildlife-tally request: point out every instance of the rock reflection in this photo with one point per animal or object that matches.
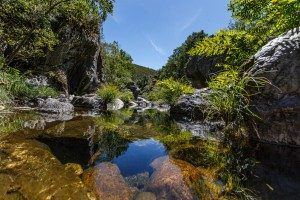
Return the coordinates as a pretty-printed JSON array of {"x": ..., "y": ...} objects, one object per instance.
[{"x": 109, "y": 146}]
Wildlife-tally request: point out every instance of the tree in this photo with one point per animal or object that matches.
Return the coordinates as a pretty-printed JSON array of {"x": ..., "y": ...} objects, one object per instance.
[
  {"x": 31, "y": 28},
  {"x": 118, "y": 66},
  {"x": 175, "y": 66},
  {"x": 232, "y": 47},
  {"x": 266, "y": 18}
]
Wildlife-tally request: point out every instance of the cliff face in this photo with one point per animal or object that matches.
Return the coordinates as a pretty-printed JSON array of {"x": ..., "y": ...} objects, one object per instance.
[
  {"x": 278, "y": 102},
  {"x": 77, "y": 63}
]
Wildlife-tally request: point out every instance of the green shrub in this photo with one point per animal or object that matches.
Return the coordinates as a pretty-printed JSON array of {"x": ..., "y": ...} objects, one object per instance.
[
  {"x": 229, "y": 99},
  {"x": 108, "y": 93},
  {"x": 4, "y": 97},
  {"x": 169, "y": 91},
  {"x": 13, "y": 85},
  {"x": 127, "y": 96},
  {"x": 45, "y": 91}
]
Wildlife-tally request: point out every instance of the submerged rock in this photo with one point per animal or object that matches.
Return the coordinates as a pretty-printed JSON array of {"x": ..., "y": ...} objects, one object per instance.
[
  {"x": 167, "y": 181},
  {"x": 107, "y": 182},
  {"x": 76, "y": 168},
  {"x": 28, "y": 170},
  {"x": 145, "y": 196},
  {"x": 191, "y": 106},
  {"x": 139, "y": 181},
  {"x": 278, "y": 103}
]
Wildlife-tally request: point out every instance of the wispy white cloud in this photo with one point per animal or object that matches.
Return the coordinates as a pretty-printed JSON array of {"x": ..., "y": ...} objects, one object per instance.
[
  {"x": 191, "y": 21},
  {"x": 155, "y": 46},
  {"x": 116, "y": 19}
]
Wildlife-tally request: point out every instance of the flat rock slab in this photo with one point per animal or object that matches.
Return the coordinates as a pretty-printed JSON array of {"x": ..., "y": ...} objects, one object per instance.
[{"x": 28, "y": 170}]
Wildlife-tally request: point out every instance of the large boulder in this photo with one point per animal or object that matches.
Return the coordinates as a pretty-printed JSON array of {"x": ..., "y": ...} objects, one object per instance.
[
  {"x": 190, "y": 106},
  {"x": 278, "y": 102},
  {"x": 199, "y": 69},
  {"x": 55, "y": 106},
  {"x": 118, "y": 104},
  {"x": 88, "y": 101}
]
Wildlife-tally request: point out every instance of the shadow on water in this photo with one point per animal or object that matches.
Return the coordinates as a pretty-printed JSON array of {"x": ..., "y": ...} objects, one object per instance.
[{"x": 69, "y": 150}]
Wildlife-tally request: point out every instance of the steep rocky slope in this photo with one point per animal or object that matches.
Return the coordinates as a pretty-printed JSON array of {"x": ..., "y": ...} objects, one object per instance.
[{"x": 278, "y": 102}]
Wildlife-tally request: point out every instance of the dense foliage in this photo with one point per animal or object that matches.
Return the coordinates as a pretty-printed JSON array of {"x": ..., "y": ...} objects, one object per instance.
[
  {"x": 169, "y": 90},
  {"x": 13, "y": 85},
  {"x": 229, "y": 98},
  {"x": 119, "y": 70},
  {"x": 266, "y": 18},
  {"x": 118, "y": 66},
  {"x": 143, "y": 77},
  {"x": 176, "y": 63},
  {"x": 232, "y": 47},
  {"x": 108, "y": 93},
  {"x": 255, "y": 23},
  {"x": 31, "y": 28},
  {"x": 126, "y": 96}
]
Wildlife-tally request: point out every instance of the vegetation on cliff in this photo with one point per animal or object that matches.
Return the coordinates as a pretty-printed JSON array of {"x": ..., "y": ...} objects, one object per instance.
[
  {"x": 29, "y": 33},
  {"x": 255, "y": 23}
]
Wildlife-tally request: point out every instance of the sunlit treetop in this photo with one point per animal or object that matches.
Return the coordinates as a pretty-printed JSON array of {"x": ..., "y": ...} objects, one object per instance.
[
  {"x": 232, "y": 47},
  {"x": 267, "y": 18}
]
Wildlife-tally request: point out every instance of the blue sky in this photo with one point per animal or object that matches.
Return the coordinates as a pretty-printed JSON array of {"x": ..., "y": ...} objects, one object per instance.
[{"x": 149, "y": 30}]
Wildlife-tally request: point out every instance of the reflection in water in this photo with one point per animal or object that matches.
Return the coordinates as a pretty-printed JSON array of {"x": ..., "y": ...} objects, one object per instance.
[
  {"x": 129, "y": 153},
  {"x": 109, "y": 146},
  {"x": 138, "y": 157},
  {"x": 69, "y": 150}
]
